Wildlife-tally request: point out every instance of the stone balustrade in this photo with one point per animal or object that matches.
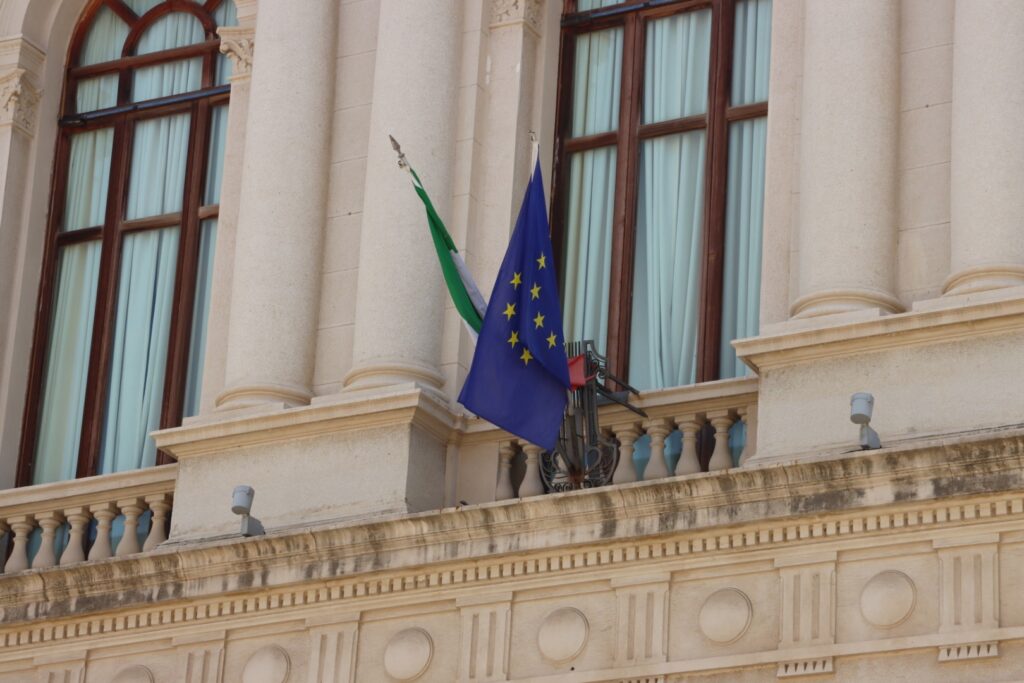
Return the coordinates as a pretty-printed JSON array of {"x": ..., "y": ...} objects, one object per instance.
[
  {"x": 701, "y": 428},
  {"x": 87, "y": 519}
]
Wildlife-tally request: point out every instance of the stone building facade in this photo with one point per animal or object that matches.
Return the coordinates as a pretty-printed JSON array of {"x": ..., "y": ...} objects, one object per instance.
[{"x": 296, "y": 337}]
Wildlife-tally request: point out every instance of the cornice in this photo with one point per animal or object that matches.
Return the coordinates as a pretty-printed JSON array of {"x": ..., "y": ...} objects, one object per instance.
[
  {"x": 398, "y": 406},
  {"x": 932, "y": 486},
  {"x": 937, "y": 322}
]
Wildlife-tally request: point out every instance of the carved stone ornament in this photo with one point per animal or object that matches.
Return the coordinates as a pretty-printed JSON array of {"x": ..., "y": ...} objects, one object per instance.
[
  {"x": 18, "y": 101},
  {"x": 238, "y": 44},
  {"x": 516, "y": 11}
]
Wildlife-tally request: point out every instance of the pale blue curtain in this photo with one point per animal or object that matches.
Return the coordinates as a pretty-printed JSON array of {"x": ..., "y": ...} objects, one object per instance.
[
  {"x": 588, "y": 245},
  {"x": 140, "y": 7},
  {"x": 159, "y": 152},
  {"x": 744, "y": 208},
  {"x": 676, "y": 63},
  {"x": 666, "y": 276},
  {"x": 224, "y": 15},
  {"x": 174, "y": 30},
  {"x": 96, "y": 93},
  {"x": 591, "y": 190},
  {"x": 670, "y": 206},
  {"x": 139, "y": 351},
  {"x": 595, "y": 106},
  {"x": 204, "y": 273},
  {"x": 67, "y": 363},
  {"x": 751, "y": 48},
  {"x": 105, "y": 38},
  {"x": 145, "y": 296},
  {"x": 85, "y": 204},
  {"x": 200, "y": 317}
]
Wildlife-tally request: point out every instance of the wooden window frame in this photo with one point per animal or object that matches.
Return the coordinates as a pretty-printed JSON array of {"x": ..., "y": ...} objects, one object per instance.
[
  {"x": 122, "y": 118},
  {"x": 632, "y": 17}
]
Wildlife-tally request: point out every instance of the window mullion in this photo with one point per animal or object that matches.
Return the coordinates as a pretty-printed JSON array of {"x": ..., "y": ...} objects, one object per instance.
[
  {"x": 715, "y": 189},
  {"x": 185, "y": 275},
  {"x": 106, "y": 302},
  {"x": 624, "y": 223}
]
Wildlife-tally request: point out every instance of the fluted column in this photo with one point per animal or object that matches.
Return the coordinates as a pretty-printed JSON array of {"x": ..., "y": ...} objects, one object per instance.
[
  {"x": 848, "y": 180},
  {"x": 987, "y": 172},
  {"x": 400, "y": 298},
  {"x": 276, "y": 282}
]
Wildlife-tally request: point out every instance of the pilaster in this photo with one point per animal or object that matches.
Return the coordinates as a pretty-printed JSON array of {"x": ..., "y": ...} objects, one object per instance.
[
  {"x": 333, "y": 642},
  {"x": 642, "y": 620},
  {"x": 486, "y": 638}
]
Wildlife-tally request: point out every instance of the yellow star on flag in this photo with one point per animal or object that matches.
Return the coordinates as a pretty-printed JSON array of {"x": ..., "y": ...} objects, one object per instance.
[
  {"x": 552, "y": 340},
  {"x": 542, "y": 261},
  {"x": 535, "y": 291},
  {"x": 514, "y": 339},
  {"x": 517, "y": 280},
  {"x": 526, "y": 357},
  {"x": 539, "y": 320},
  {"x": 510, "y": 310}
]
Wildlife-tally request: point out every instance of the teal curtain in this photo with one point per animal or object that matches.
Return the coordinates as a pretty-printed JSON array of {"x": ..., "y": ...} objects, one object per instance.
[
  {"x": 591, "y": 188},
  {"x": 744, "y": 208},
  {"x": 139, "y": 354},
  {"x": 85, "y": 203},
  {"x": 145, "y": 296},
  {"x": 67, "y": 363},
  {"x": 173, "y": 30},
  {"x": 670, "y": 206}
]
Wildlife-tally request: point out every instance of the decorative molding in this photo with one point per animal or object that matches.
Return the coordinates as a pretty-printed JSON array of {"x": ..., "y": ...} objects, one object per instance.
[
  {"x": 956, "y": 653},
  {"x": 486, "y": 638},
  {"x": 642, "y": 621},
  {"x": 512, "y": 12},
  {"x": 19, "y": 101},
  {"x": 332, "y": 657},
  {"x": 805, "y": 667},
  {"x": 238, "y": 43}
]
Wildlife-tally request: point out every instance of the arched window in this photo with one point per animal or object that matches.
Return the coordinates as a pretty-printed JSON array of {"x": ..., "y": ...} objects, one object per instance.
[{"x": 121, "y": 324}]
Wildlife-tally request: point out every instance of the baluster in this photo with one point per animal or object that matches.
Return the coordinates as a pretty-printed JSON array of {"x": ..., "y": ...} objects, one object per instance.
[
  {"x": 104, "y": 514},
  {"x": 78, "y": 518},
  {"x": 721, "y": 458},
  {"x": 504, "y": 490},
  {"x": 131, "y": 508},
  {"x": 657, "y": 467},
  {"x": 22, "y": 526},
  {"x": 160, "y": 504},
  {"x": 627, "y": 434},
  {"x": 531, "y": 485},
  {"x": 688, "y": 463},
  {"x": 749, "y": 417},
  {"x": 47, "y": 554}
]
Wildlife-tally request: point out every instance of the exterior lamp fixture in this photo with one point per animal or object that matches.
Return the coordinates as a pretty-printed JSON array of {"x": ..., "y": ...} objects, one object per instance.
[
  {"x": 861, "y": 406},
  {"x": 241, "y": 504}
]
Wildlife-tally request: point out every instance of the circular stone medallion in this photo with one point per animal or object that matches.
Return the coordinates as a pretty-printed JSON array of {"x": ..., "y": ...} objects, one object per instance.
[
  {"x": 563, "y": 635},
  {"x": 888, "y": 599},
  {"x": 408, "y": 654},
  {"x": 269, "y": 664},
  {"x": 725, "y": 615}
]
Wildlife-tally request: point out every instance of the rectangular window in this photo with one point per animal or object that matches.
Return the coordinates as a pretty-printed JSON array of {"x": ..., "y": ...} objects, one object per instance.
[{"x": 659, "y": 185}]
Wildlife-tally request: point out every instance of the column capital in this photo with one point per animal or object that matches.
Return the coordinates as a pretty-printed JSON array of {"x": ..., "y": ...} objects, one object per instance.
[
  {"x": 238, "y": 43},
  {"x": 515, "y": 12},
  {"x": 19, "y": 100}
]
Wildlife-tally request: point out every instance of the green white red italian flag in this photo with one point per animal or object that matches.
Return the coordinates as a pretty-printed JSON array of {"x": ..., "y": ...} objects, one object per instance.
[{"x": 464, "y": 292}]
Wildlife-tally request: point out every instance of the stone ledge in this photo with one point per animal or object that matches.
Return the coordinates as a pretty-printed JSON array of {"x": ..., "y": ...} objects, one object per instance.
[
  {"x": 807, "y": 340},
  {"x": 874, "y": 493}
]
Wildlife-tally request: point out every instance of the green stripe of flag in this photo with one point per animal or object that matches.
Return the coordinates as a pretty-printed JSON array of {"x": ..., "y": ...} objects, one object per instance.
[{"x": 464, "y": 292}]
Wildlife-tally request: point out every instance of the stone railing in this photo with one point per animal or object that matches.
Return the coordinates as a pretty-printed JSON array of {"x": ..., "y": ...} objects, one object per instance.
[
  {"x": 704, "y": 427},
  {"x": 85, "y": 519}
]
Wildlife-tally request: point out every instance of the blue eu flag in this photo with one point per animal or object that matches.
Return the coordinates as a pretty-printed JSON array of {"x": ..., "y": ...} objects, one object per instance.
[{"x": 519, "y": 376}]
